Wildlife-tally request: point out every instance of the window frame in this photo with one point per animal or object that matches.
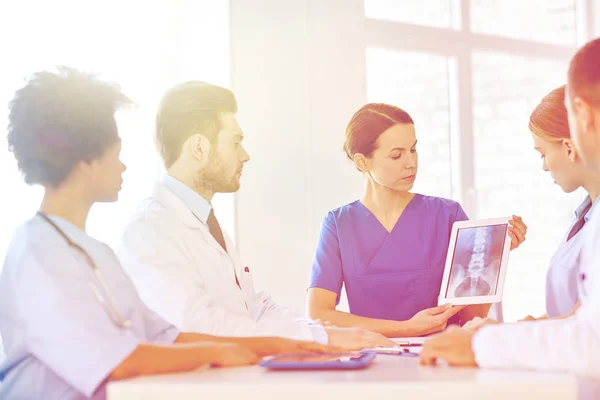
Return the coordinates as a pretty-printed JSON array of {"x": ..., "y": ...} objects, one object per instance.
[{"x": 459, "y": 46}]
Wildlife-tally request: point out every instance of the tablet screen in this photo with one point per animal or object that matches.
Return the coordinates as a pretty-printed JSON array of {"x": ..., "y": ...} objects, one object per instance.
[{"x": 476, "y": 261}]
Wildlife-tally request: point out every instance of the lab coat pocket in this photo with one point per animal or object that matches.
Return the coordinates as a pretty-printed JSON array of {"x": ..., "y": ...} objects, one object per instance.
[
  {"x": 247, "y": 283},
  {"x": 584, "y": 282},
  {"x": 566, "y": 258},
  {"x": 255, "y": 302}
]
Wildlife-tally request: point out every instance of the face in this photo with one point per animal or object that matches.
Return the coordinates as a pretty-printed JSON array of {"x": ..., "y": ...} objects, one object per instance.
[
  {"x": 560, "y": 159},
  {"x": 106, "y": 173},
  {"x": 394, "y": 163},
  {"x": 226, "y": 158},
  {"x": 581, "y": 123}
]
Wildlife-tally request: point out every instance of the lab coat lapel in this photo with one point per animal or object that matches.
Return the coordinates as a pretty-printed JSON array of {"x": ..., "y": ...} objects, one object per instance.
[
  {"x": 171, "y": 202},
  {"x": 234, "y": 256},
  {"x": 211, "y": 241}
]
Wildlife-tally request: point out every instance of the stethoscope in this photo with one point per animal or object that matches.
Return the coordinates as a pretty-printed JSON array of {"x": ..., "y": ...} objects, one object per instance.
[{"x": 110, "y": 307}]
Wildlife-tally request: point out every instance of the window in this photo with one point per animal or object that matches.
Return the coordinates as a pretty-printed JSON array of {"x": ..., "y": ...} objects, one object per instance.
[
  {"x": 552, "y": 21},
  {"x": 397, "y": 78},
  {"x": 503, "y": 59},
  {"x": 144, "y": 52},
  {"x": 421, "y": 12},
  {"x": 503, "y": 100}
]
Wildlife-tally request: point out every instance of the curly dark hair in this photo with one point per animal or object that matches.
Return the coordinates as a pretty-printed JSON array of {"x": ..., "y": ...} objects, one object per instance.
[{"x": 59, "y": 119}]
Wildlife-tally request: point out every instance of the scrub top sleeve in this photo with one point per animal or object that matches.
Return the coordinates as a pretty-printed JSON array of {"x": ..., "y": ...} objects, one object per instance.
[
  {"x": 326, "y": 272},
  {"x": 66, "y": 327},
  {"x": 459, "y": 215}
]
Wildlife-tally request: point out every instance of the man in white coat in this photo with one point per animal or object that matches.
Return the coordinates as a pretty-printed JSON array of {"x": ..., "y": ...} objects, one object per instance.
[
  {"x": 571, "y": 344},
  {"x": 184, "y": 267}
]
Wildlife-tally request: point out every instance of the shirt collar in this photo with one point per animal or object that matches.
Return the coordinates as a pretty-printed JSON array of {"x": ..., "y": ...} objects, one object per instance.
[
  {"x": 585, "y": 204},
  {"x": 197, "y": 204},
  {"x": 593, "y": 210}
]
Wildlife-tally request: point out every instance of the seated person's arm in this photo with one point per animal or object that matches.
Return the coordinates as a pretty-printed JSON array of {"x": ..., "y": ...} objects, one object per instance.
[
  {"x": 321, "y": 306},
  {"x": 545, "y": 316},
  {"x": 194, "y": 350},
  {"x": 476, "y": 310},
  {"x": 322, "y": 302},
  {"x": 573, "y": 311},
  {"x": 569, "y": 315},
  {"x": 477, "y": 323},
  {"x": 269, "y": 309},
  {"x": 172, "y": 351},
  {"x": 152, "y": 359}
]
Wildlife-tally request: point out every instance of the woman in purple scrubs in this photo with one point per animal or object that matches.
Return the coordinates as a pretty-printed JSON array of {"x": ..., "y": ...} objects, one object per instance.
[{"x": 388, "y": 249}]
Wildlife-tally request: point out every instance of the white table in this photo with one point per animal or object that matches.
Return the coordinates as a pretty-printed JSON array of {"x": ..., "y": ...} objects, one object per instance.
[{"x": 390, "y": 377}]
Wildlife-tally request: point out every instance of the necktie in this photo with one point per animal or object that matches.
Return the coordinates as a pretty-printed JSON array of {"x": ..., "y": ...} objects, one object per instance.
[
  {"x": 579, "y": 224},
  {"x": 217, "y": 233},
  {"x": 215, "y": 229}
]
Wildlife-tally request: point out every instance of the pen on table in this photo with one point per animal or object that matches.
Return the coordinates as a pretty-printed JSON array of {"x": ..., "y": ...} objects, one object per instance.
[{"x": 409, "y": 344}]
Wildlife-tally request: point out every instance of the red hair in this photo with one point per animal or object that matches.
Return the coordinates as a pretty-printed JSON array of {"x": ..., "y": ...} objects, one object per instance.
[
  {"x": 549, "y": 119},
  {"x": 584, "y": 73},
  {"x": 368, "y": 123}
]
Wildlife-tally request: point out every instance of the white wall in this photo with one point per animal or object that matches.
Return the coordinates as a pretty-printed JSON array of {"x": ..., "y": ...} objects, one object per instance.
[{"x": 283, "y": 53}]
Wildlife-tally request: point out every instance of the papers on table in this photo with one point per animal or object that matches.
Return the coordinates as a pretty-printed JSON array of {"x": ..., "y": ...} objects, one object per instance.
[
  {"x": 410, "y": 344},
  {"x": 410, "y": 341}
]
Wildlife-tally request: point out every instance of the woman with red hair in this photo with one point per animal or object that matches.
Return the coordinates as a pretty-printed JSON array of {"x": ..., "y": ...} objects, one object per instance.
[
  {"x": 570, "y": 344},
  {"x": 549, "y": 126},
  {"x": 389, "y": 248}
]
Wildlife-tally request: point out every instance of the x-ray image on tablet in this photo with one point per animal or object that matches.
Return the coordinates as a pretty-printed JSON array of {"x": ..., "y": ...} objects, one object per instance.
[{"x": 476, "y": 262}]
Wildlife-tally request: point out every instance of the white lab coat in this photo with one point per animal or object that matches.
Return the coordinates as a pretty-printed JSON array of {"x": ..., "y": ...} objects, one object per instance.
[
  {"x": 571, "y": 344},
  {"x": 183, "y": 274},
  {"x": 61, "y": 339},
  {"x": 2, "y": 355}
]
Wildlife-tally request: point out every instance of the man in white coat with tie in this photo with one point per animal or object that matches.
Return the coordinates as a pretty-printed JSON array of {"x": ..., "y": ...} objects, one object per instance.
[
  {"x": 571, "y": 344},
  {"x": 181, "y": 262}
]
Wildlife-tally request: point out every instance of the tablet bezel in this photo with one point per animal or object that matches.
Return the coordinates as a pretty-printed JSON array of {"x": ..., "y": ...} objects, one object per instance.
[{"x": 442, "y": 299}]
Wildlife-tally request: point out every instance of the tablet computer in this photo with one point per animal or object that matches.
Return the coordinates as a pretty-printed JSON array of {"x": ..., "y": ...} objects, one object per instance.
[
  {"x": 476, "y": 262},
  {"x": 354, "y": 360}
]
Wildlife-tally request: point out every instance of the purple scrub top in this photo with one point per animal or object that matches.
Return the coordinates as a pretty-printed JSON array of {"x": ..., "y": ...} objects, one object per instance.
[{"x": 387, "y": 275}]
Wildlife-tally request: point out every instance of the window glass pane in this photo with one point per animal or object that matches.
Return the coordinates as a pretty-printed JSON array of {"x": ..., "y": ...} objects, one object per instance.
[
  {"x": 435, "y": 13},
  {"x": 551, "y": 21},
  {"x": 508, "y": 172},
  {"x": 417, "y": 83}
]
